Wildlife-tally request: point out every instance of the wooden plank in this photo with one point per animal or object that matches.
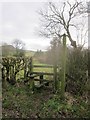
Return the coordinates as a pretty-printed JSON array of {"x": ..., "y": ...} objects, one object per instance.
[
  {"x": 42, "y": 73},
  {"x": 46, "y": 83},
  {"x": 32, "y": 76},
  {"x": 44, "y": 66},
  {"x": 38, "y": 86},
  {"x": 42, "y": 84},
  {"x": 43, "y": 80}
]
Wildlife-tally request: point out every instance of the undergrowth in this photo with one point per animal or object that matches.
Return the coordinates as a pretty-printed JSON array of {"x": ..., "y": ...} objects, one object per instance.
[{"x": 20, "y": 102}]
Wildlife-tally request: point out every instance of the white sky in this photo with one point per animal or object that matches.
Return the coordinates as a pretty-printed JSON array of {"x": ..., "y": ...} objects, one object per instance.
[{"x": 19, "y": 20}]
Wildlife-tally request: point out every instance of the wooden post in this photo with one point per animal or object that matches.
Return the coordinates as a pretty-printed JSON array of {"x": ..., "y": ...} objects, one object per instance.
[
  {"x": 55, "y": 79},
  {"x": 41, "y": 78},
  {"x": 30, "y": 72},
  {"x": 55, "y": 84},
  {"x": 63, "y": 71},
  {"x": 31, "y": 66}
]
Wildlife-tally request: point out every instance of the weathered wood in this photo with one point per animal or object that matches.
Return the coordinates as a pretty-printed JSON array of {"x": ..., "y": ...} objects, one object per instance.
[
  {"x": 30, "y": 66},
  {"x": 14, "y": 65},
  {"x": 42, "y": 84},
  {"x": 63, "y": 71},
  {"x": 32, "y": 76},
  {"x": 30, "y": 72},
  {"x": 55, "y": 79},
  {"x": 43, "y": 66},
  {"x": 42, "y": 73},
  {"x": 41, "y": 78},
  {"x": 44, "y": 80},
  {"x": 38, "y": 86}
]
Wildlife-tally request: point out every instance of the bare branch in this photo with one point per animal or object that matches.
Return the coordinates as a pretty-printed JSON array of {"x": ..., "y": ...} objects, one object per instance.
[{"x": 55, "y": 20}]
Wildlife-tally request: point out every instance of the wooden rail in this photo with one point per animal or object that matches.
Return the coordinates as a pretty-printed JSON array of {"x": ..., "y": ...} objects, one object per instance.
[
  {"x": 41, "y": 79},
  {"x": 42, "y": 73},
  {"x": 43, "y": 66}
]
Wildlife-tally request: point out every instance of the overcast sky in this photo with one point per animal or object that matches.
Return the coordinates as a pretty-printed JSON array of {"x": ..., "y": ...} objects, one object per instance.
[{"x": 20, "y": 20}]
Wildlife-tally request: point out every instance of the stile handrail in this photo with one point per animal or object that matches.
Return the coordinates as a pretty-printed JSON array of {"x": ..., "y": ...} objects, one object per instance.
[{"x": 44, "y": 66}]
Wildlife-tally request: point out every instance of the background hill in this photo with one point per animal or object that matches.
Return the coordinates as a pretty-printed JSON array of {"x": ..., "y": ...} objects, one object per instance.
[
  {"x": 7, "y": 50},
  {"x": 10, "y": 50}
]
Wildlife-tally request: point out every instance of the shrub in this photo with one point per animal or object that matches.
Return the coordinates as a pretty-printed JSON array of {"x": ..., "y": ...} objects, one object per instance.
[{"x": 77, "y": 67}]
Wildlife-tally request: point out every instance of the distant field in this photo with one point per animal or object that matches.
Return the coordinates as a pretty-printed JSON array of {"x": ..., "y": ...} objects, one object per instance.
[{"x": 29, "y": 53}]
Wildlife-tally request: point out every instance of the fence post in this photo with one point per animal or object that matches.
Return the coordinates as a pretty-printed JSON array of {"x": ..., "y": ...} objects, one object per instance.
[
  {"x": 55, "y": 79},
  {"x": 63, "y": 71},
  {"x": 41, "y": 78},
  {"x": 31, "y": 66},
  {"x": 30, "y": 72}
]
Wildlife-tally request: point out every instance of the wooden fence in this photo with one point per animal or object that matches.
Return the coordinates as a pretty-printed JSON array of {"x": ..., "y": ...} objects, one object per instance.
[
  {"x": 12, "y": 66},
  {"x": 41, "y": 75}
]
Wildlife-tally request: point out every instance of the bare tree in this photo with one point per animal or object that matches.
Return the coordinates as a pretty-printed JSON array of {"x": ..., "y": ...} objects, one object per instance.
[
  {"x": 58, "y": 19},
  {"x": 19, "y": 46}
]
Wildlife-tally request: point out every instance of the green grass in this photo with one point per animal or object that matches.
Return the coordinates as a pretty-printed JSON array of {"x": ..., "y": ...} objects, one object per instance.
[{"x": 54, "y": 106}]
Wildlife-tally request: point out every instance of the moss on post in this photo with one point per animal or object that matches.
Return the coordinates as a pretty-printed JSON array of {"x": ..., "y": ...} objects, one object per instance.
[{"x": 63, "y": 71}]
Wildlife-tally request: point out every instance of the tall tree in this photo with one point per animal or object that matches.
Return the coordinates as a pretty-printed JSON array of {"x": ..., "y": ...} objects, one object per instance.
[
  {"x": 59, "y": 19},
  {"x": 56, "y": 21}
]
